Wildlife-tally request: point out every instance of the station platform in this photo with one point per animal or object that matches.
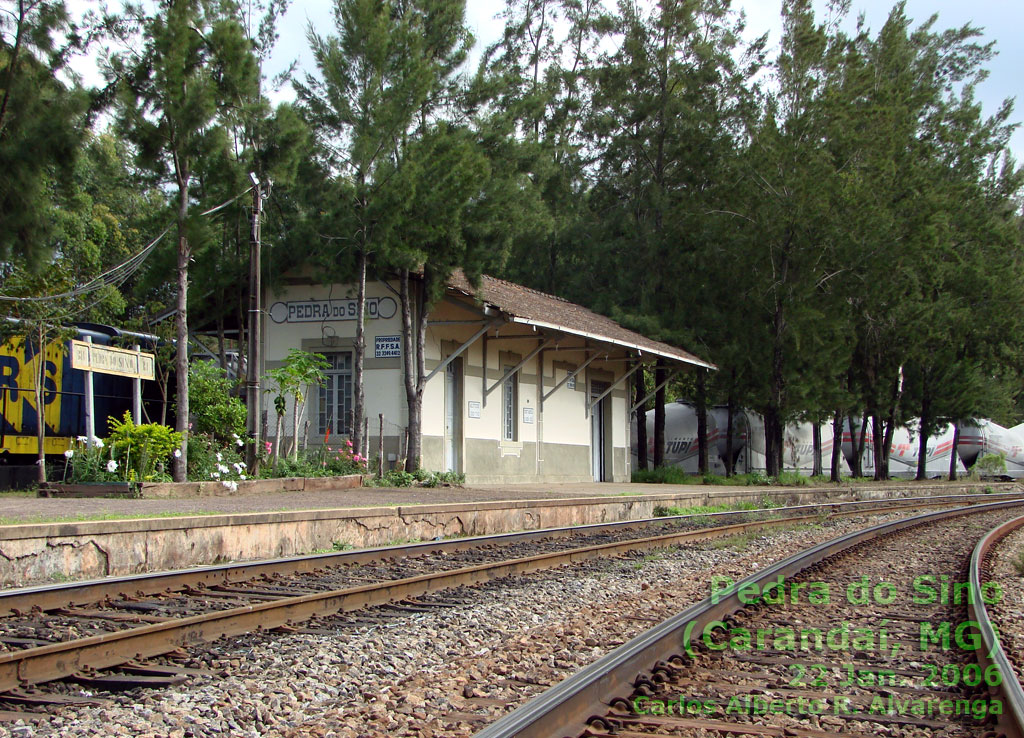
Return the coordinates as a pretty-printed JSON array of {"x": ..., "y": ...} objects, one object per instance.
[
  {"x": 52, "y": 539},
  {"x": 14, "y": 509}
]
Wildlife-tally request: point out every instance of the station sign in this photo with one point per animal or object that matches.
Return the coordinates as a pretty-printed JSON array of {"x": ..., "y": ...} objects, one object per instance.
[
  {"x": 320, "y": 311},
  {"x": 111, "y": 360}
]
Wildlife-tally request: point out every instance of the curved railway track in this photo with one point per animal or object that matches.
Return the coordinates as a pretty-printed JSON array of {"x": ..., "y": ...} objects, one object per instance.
[
  {"x": 72, "y": 630},
  {"x": 867, "y": 634}
]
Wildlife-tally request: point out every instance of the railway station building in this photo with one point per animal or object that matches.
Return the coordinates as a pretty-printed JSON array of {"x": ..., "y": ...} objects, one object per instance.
[{"x": 521, "y": 386}]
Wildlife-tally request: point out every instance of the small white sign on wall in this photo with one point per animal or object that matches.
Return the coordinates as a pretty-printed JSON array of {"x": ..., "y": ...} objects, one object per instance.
[
  {"x": 570, "y": 383},
  {"x": 527, "y": 414},
  {"x": 387, "y": 347},
  {"x": 474, "y": 409}
]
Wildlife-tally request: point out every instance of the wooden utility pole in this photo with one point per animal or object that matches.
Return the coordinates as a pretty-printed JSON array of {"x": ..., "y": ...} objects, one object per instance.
[{"x": 252, "y": 384}]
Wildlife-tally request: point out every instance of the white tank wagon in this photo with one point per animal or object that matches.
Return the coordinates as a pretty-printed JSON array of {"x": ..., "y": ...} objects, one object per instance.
[
  {"x": 681, "y": 439},
  {"x": 748, "y": 441},
  {"x": 983, "y": 437},
  {"x": 748, "y": 445},
  {"x": 904, "y": 450}
]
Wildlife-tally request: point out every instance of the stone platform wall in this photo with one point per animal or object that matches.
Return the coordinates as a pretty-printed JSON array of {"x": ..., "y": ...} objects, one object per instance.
[{"x": 58, "y": 551}]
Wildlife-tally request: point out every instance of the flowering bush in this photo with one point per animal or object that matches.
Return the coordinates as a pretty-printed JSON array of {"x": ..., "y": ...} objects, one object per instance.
[
  {"x": 209, "y": 460},
  {"x": 90, "y": 463},
  {"x": 322, "y": 461}
]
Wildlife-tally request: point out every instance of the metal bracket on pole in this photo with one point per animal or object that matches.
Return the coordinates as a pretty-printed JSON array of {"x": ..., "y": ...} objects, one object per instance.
[
  {"x": 518, "y": 366},
  {"x": 458, "y": 352},
  {"x": 569, "y": 376},
  {"x": 671, "y": 375},
  {"x": 616, "y": 383}
]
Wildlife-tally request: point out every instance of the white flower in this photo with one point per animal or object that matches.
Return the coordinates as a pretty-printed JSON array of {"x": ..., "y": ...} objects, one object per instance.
[
  {"x": 219, "y": 457},
  {"x": 233, "y": 486},
  {"x": 222, "y": 469},
  {"x": 235, "y": 436},
  {"x": 227, "y": 485},
  {"x": 97, "y": 442},
  {"x": 215, "y": 475},
  {"x": 242, "y": 477},
  {"x": 69, "y": 453},
  {"x": 238, "y": 466},
  {"x": 177, "y": 453},
  {"x": 82, "y": 439},
  {"x": 111, "y": 466},
  {"x": 239, "y": 443}
]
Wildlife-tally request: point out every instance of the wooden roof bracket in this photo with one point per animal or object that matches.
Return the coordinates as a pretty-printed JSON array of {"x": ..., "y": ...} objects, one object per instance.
[
  {"x": 518, "y": 366},
  {"x": 671, "y": 375},
  {"x": 458, "y": 352},
  {"x": 611, "y": 387}
]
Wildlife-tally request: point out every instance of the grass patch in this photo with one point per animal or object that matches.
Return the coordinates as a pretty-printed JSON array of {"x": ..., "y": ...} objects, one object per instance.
[
  {"x": 661, "y": 511},
  {"x": 676, "y": 475},
  {"x": 665, "y": 475},
  {"x": 791, "y": 479},
  {"x": 27, "y": 492},
  {"x": 740, "y": 541},
  {"x": 87, "y": 518}
]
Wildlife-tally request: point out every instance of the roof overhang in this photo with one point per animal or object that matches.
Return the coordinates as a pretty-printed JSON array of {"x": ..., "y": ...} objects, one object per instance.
[{"x": 614, "y": 341}]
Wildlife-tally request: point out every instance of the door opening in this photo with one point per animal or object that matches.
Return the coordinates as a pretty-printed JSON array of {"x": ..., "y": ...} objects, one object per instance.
[
  {"x": 453, "y": 416},
  {"x": 598, "y": 432}
]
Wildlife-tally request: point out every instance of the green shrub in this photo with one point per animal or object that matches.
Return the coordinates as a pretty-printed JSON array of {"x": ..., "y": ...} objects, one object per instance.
[
  {"x": 420, "y": 477},
  {"x": 142, "y": 451},
  {"x": 989, "y": 465},
  {"x": 213, "y": 410},
  {"x": 444, "y": 479}
]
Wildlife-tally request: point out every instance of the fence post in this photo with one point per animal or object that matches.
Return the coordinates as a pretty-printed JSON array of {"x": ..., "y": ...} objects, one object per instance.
[
  {"x": 90, "y": 405},
  {"x": 137, "y": 387},
  {"x": 380, "y": 449}
]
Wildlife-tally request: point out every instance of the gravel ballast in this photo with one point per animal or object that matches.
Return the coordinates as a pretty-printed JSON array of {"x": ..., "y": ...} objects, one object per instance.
[{"x": 447, "y": 672}]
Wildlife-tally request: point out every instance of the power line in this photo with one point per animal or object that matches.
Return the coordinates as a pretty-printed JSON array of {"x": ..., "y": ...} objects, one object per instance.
[{"x": 118, "y": 274}]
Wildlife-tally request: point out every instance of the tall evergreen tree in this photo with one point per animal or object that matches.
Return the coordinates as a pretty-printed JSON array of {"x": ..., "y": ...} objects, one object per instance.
[
  {"x": 42, "y": 123},
  {"x": 195, "y": 65}
]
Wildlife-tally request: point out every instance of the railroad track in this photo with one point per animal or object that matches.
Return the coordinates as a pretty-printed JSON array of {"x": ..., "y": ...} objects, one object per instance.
[
  {"x": 73, "y": 630},
  {"x": 862, "y": 635}
]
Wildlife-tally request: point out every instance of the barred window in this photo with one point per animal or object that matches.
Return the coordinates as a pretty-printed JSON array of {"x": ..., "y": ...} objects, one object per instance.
[
  {"x": 510, "y": 407},
  {"x": 336, "y": 394}
]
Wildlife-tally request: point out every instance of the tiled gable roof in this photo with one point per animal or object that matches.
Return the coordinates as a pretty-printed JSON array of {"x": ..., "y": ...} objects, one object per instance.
[{"x": 529, "y": 306}]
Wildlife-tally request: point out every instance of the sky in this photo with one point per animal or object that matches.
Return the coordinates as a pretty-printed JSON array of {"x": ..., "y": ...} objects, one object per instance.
[{"x": 1000, "y": 20}]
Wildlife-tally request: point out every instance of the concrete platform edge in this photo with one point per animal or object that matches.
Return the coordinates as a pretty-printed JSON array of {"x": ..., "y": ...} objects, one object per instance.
[{"x": 89, "y": 549}]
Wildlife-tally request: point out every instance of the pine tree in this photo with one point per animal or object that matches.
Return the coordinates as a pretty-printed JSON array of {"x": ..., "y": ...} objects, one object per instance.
[
  {"x": 42, "y": 123},
  {"x": 194, "y": 67}
]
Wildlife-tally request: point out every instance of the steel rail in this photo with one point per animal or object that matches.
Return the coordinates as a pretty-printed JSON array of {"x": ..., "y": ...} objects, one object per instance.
[
  {"x": 1011, "y": 722},
  {"x": 59, "y": 660},
  {"x": 71, "y": 594},
  {"x": 566, "y": 708}
]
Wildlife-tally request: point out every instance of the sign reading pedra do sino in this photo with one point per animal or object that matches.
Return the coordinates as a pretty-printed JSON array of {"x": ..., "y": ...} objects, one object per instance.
[{"x": 316, "y": 311}]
